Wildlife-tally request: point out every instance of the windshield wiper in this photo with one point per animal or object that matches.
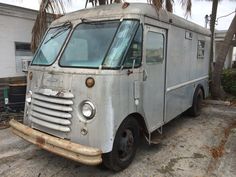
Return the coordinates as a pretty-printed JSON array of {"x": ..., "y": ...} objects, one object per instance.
[{"x": 59, "y": 32}]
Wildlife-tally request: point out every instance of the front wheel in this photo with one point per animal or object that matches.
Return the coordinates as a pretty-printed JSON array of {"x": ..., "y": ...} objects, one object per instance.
[{"x": 124, "y": 146}]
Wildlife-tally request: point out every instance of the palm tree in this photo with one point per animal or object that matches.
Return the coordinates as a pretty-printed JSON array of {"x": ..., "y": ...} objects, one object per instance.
[
  {"x": 216, "y": 89},
  {"x": 216, "y": 70}
]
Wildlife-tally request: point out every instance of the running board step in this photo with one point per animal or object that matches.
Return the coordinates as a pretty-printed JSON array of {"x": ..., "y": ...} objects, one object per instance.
[{"x": 154, "y": 137}]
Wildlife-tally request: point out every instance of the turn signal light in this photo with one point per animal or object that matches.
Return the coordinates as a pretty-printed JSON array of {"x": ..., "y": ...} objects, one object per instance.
[{"x": 90, "y": 82}]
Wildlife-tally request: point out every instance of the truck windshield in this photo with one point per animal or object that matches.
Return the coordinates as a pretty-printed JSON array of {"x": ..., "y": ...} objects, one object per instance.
[
  {"x": 95, "y": 44},
  {"x": 51, "y": 45}
]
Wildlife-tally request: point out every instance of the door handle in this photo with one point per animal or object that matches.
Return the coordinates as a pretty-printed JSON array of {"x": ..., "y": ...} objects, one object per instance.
[{"x": 145, "y": 75}]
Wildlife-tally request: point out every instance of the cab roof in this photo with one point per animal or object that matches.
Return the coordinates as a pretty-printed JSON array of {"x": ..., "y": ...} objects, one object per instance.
[{"x": 115, "y": 11}]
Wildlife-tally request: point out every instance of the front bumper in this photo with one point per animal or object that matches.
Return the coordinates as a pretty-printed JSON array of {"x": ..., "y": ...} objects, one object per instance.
[{"x": 80, "y": 153}]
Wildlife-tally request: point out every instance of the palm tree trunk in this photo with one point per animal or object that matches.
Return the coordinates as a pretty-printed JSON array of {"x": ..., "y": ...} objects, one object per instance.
[{"x": 216, "y": 90}]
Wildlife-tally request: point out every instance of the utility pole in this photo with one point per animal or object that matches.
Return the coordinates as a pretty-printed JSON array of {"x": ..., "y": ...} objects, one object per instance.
[{"x": 212, "y": 28}]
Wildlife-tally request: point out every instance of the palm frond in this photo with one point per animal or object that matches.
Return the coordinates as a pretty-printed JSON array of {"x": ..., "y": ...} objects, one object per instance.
[
  {"x": 169, "y": 5},
  {"x": 157, "y": 3},
  {"x": 165, "y": 4},
  {"x": 187, "y": 6},
  {"x": 101, "y": 2},
  {"x": 55, "y": 8},
  {"x": 117, "y": 1}
]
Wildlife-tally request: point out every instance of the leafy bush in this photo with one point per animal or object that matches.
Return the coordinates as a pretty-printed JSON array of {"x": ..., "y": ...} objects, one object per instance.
[{"x": 229, "y": 81}]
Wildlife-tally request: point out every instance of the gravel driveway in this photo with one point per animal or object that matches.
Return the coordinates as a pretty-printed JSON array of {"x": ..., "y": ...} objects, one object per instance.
[{"x": 190, "y": 147}]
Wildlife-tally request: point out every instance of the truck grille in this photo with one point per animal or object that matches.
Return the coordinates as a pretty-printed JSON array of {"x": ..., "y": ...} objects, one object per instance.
[{"x": 51, "y": 110}]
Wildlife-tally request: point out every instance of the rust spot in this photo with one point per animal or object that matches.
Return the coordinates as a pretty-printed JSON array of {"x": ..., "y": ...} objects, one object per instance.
[
  {"x": 125, "y": 5},
  {"x": 129, "y": 72},
  {"x": 40, "y": 141},
  {"x": 60, "y": 94},
  {"x": 233, "y": 103}
]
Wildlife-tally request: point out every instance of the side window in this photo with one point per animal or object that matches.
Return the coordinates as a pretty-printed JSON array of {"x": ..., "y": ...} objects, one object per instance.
[
  {"x": 154, "y": 47},
  {"x": 200, "y": 49},
  {"x": 134, "y": 53}
]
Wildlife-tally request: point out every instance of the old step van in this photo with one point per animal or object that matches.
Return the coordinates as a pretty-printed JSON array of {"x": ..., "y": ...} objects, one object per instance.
[{"x": 104, "y": 76}]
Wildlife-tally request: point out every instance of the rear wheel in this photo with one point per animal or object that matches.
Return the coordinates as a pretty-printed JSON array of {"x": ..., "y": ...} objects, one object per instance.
[
  {"x": 195, "y": 110},
  {"x": 124, "y": 146}
]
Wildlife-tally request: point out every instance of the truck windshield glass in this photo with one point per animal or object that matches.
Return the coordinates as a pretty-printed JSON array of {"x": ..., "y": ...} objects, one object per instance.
[
  {"x": 120, "y": 44},
  {"x": 51, "y": 45},
  {"x": 93, "y": 42}
]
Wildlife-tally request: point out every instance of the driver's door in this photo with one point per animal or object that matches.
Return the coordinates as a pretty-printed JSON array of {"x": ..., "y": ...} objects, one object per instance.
[{"x": 154, "y": 80}]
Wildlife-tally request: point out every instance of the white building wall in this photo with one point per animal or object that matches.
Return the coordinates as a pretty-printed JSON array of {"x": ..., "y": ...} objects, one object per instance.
[{"x": 15, "y": 26}]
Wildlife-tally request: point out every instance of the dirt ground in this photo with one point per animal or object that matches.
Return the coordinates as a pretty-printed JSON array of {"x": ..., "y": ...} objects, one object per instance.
[{"x": 190, "y": 147}]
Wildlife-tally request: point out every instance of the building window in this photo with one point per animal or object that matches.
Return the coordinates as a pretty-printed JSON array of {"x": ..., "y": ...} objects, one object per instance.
[
  {"x": 201, "y": 49},
  {"x": 22, "y": 52},
  {"x": 23, "y": 49},
  {"x": 154, "y": 48}
]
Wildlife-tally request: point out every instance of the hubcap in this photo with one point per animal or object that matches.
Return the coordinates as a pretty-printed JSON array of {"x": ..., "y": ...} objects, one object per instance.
[{"x": 126, "y": 145}]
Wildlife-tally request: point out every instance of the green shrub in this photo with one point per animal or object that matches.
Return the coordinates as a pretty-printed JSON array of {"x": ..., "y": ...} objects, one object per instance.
[{"x": 228, "y": 81}]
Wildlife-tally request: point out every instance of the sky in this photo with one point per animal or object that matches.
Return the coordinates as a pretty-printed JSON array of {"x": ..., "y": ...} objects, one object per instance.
[{"x": 199, "y": 9}]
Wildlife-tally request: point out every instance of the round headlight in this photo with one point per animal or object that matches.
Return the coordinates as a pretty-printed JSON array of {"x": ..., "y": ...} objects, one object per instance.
[
  {"x": 88, "y": 110},
  {"x": 28, "y": 97}
]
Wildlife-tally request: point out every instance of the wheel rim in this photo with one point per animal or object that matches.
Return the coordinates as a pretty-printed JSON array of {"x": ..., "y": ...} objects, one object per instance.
[{"x": 126, "y": 145}]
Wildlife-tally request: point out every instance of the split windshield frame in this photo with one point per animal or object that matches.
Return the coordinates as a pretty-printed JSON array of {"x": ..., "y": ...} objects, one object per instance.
[{"x": 86, "y": 21}]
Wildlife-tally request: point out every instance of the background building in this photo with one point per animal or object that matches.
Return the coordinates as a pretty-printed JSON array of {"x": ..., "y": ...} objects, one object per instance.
[{"x": 16, "y": 24}]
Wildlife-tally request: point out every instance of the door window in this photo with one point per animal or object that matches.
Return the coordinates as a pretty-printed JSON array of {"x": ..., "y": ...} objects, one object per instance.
[
  {"x": 154, "y": 47},
  {"x": 134, "y": 53}
]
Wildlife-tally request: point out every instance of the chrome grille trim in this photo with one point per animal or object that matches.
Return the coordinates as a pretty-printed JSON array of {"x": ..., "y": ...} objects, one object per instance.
[
  {"x": 51, "y": 110},
  {"x": 51, "y": 106},
  {"x": 52, "y": 99},
  {"x": 50, "y": 118},
  {"x": 50, "y": 125}
]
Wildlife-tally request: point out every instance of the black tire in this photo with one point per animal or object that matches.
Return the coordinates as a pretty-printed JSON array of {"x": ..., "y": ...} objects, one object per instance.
[
  {"x": 124, "y": 146},
  {"x": 195, "y": 110}
]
